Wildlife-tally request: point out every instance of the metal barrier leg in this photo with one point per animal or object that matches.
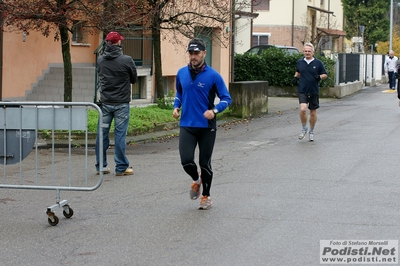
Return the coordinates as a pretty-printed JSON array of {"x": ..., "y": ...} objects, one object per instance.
[{"x": 67, "y": 210}]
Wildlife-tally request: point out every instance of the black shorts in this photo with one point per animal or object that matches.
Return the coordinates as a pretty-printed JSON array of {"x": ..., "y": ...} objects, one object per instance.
[{"x": 311, "y": 99}]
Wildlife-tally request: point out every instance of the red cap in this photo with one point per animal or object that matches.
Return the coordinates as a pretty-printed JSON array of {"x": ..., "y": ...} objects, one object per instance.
[{"x": 114, "y": 37}]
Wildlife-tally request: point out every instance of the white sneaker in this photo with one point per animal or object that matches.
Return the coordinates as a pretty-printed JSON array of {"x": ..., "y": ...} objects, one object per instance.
[
  {"x": 303, "y": 134},
  {"x": 311, "y": 136}
]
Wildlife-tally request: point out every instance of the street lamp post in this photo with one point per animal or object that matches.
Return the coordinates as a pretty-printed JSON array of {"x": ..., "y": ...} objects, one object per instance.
[{"x": 391, "y": 26}]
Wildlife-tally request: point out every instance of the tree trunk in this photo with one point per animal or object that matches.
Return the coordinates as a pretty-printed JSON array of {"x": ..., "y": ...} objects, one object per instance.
[
  {"x": 157, "y": 58},
  {"x": 66, "y": 54}
]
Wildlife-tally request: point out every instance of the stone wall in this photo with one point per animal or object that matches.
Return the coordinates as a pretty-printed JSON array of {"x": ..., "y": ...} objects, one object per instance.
[
  {"x": 249, "y": 98},
  {"x": 338, "y": 91}
]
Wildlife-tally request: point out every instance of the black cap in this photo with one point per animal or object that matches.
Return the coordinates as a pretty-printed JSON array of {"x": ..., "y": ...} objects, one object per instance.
[{"x": 196, "y": 45}]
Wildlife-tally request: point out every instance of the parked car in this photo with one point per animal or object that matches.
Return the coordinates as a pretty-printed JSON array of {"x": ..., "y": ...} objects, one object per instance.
[{"x": 259, "y": 48}]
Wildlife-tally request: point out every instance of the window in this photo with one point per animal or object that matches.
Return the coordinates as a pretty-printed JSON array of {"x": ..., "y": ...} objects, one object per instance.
[
  {"x": 78, "y": 33},
  {"x": 169, "y": 86},
  {"x": 135, "y": 89},
  {"x": 326, "y": 43},
  {"x": 261, "y": 5},
  {"x": 258, "y": 39}
]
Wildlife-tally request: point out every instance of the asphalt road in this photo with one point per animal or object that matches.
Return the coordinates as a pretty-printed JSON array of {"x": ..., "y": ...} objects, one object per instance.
[{"x": 274, "y": 197}]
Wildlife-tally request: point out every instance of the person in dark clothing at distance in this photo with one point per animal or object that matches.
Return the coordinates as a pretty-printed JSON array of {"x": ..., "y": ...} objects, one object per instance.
[
  {"x": 116, "y": 74},
  {"x": 197, "y": 86}
]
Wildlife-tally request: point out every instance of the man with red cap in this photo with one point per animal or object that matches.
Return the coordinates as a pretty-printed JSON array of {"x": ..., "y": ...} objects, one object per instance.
[{"x": 116, "y": 74}]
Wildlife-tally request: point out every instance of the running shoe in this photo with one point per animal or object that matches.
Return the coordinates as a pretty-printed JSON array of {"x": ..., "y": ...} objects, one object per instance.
[
  {"x": 195, "y": 190},
  {"x": 303, "y": 133},
  {"x": 205, "y": 203},
  {"x": 311, "y": 136}
]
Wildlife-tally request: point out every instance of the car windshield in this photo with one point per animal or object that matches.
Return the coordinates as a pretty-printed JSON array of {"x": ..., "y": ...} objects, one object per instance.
[
  {"x": 292, "y": 51},
  {"x": 258, "y": 49},
  {"x": 254, "y": 50}
]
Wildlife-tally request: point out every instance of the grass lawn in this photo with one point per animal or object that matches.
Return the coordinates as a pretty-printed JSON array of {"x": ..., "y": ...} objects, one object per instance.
[{"x": 143, "y": 119}]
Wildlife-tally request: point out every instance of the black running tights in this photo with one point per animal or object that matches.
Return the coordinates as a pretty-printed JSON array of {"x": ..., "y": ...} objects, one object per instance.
[{"x": 189, "y": 138}]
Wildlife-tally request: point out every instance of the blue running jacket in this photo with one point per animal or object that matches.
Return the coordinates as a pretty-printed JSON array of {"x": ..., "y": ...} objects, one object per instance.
[{"x": 194, "y": 97}]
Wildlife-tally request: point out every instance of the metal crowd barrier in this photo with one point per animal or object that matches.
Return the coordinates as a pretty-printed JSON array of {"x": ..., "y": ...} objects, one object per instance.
[{"x": 26, "y": 166}]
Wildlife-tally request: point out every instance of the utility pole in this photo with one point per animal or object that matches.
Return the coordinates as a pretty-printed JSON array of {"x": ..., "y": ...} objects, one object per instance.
[
  {"x": 391, "y": 26},
  {"x": 1, "y": 55}
]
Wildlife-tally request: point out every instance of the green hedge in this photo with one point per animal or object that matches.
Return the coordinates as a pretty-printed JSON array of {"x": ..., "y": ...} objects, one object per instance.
[{"x": 277, "y": 67}]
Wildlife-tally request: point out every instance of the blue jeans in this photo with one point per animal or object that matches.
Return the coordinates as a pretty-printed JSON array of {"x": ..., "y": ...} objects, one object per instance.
[
  {"x": 120, "y": 114},
  {"x": 392, "y": 79}
]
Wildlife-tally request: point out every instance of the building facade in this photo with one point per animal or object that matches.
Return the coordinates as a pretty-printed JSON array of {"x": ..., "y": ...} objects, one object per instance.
[
  {"x": 27, "y": 59},
  {"x": 294, "y": 22}
]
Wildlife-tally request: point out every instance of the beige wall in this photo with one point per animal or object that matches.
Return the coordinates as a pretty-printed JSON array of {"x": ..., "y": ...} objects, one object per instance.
[
  {"x": 24, "y": 62},
  {"x": 243, "y": 35},
  {"x": 174, "y": 56},
  {"x": 280, "y": 12},
  {"x": 243, "y": 29}
]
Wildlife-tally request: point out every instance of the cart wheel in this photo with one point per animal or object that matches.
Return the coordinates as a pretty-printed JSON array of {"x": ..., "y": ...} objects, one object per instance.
[
  {"x": 53, "y": 223},
  {"x": 69, "y": 214}
]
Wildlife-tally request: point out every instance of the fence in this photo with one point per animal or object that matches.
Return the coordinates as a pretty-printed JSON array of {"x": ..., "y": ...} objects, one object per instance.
[
  {"x": 20, "y": 123},
  {"x": 367, "y": 68}
]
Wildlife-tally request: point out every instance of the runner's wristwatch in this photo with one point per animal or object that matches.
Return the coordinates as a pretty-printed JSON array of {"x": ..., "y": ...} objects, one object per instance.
[{"x": 215, "y": 110}]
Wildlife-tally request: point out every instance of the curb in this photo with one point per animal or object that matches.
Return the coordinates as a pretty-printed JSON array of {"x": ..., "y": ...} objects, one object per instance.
[
  {"x": 61, "y": 140},
  {"x": 160, "y": 131}
]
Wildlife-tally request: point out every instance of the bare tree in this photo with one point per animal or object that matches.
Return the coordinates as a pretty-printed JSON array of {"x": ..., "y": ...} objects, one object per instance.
[
  {"x": 165, "y": 19},
  {"x": 312, "y": 34},
  {"x": 170, "y": 20},
  {"x": 57, "y": 18}
]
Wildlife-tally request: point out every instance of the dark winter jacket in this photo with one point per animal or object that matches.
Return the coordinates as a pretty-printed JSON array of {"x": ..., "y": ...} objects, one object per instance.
[{"x": 116, "y": 74}]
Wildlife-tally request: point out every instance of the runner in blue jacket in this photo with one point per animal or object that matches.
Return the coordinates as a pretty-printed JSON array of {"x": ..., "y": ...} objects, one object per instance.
[{"x": 197, "y": 88}]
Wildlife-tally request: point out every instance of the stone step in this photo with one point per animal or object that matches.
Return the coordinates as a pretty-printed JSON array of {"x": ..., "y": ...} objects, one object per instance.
[
  {"x": 57, "y": 98},
  {"x": 47, "y": 90},
  {"x": 56, "y": 85},
  {"x": 75, "y": 77},
  {"x": 86, "y": 71},
  {"x": 50, "y": 86},
  {"x": 51, "y": 83},
  {"x": 60, "y": 84},
  {"x": 53, "y": 90}
]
